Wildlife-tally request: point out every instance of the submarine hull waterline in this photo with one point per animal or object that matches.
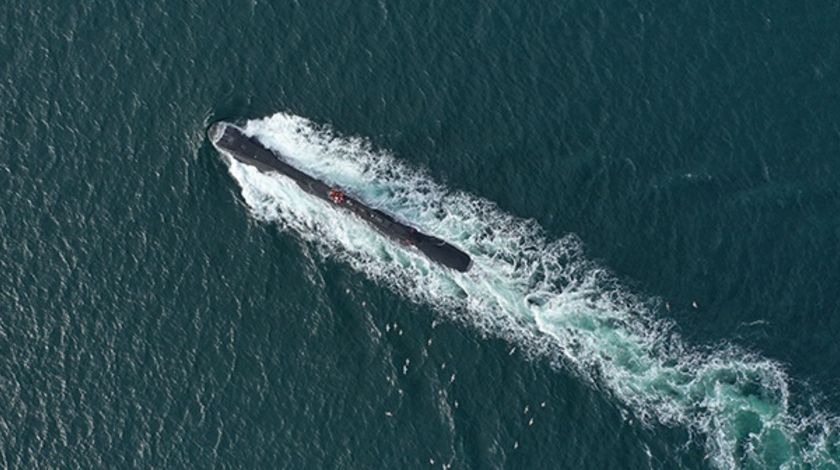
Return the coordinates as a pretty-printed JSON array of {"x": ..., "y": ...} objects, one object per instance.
[{"x": 229, "y": 139}]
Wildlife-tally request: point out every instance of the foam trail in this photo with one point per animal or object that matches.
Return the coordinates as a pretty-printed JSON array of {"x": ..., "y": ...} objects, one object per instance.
[{"x": 542, "y": 295}]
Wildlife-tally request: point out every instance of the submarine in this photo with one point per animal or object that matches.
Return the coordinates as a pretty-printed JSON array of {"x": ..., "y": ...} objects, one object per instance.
[{"x": 230, "y": 139}]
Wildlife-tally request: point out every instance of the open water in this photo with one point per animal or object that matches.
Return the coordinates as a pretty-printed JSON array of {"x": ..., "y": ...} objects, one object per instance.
[{"x": 649, "y": 191}]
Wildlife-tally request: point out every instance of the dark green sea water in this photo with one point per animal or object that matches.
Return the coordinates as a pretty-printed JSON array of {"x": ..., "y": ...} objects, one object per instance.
[{"x": 649, "y": 190}]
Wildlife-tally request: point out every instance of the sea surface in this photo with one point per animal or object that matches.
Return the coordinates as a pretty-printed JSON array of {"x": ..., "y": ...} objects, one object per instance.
[{"x": 649, "y": 190}]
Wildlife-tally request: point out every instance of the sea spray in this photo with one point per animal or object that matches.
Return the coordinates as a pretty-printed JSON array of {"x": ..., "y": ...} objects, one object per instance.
[{"x": 544, "y": 296}]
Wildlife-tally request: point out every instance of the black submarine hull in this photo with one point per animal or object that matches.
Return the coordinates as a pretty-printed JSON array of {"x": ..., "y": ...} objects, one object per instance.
[{"x": 248, "y": 150}]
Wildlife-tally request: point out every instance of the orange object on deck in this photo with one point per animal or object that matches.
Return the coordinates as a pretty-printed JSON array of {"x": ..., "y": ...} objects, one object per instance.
[{"x": 336, "y": 196}]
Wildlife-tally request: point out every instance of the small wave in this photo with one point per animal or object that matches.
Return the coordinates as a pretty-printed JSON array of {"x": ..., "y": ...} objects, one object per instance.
[{"x": 542, "y": 295}]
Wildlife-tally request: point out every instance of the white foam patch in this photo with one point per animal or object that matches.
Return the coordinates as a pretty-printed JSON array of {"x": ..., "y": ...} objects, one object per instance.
[{"x": 542, "y": 295}]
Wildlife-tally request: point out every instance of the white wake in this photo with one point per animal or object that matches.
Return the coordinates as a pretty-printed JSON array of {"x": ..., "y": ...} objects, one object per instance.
[{"x": 542, "y": 295}]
